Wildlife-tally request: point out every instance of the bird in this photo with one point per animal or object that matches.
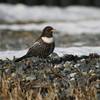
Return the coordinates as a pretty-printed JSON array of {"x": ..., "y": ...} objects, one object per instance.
[{"x": 43, "y": 46}]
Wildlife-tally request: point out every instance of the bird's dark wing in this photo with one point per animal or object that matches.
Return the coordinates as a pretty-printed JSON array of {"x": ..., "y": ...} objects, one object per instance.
[
  {"x": 31, "y": 52},
  {"x": 34, "y": 50}
]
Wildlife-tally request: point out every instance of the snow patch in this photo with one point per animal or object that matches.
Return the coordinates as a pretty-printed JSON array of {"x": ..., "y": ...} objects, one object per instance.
[
  {"x": 71, "y": 13},
  {"x": 88, "y": 27},
  {"x": 60, "y": 51}
]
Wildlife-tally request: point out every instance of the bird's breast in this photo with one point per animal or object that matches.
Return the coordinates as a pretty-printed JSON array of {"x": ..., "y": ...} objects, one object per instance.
[{"x": 47, "y": 48}]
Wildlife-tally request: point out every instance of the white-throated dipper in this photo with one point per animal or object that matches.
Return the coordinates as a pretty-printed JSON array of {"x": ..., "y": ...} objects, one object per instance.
[{"x": 43, "y": 46}]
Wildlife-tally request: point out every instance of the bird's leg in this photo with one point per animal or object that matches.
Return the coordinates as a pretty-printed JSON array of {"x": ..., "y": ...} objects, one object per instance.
[
  {"x": 47, "y": 59},
  {"x": 41, "y": 59},
  {"x": 44, "y": 60}
]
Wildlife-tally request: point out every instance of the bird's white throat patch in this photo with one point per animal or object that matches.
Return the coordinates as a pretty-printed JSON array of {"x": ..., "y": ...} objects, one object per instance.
[{"x": 48, "y": 39}]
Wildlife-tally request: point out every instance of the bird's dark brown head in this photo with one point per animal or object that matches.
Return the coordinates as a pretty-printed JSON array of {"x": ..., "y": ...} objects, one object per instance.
[{"x": 47, "y": 31}]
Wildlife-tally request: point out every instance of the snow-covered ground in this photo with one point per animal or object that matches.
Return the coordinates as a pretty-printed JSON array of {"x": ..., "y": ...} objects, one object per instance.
[
  {"x": 60, "y": 51},
  {"x": 70, "y": 20}
]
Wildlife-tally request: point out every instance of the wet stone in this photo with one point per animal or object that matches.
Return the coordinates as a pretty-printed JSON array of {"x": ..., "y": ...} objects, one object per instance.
[{"x": 51, "y": 75}]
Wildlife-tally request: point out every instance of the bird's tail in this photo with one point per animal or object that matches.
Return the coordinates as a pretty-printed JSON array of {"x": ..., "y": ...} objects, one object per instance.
[{"x": 21, "y": 58}]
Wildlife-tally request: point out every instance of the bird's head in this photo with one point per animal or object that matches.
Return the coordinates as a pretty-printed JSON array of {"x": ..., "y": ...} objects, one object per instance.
[
  {"x": 47, "y": 35},
  {"x": 47, "y": 31}
]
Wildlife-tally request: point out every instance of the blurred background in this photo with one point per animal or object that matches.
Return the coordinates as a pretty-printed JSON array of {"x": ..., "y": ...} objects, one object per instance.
[
  {"x": 77, "y": 22},
  {"x": 61, "y": 3}
]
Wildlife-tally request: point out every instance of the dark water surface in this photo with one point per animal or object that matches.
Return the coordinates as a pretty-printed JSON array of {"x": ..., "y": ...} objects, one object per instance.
[{"x": 16, "y": 40}]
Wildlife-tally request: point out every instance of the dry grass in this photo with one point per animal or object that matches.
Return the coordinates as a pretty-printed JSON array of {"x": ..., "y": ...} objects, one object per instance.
[
  {"x": 12, "y": 89},
  {"x": 85, "y": 93}
]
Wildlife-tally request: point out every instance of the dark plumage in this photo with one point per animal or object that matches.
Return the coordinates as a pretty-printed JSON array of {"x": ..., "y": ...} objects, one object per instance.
[{"x": 43, "y": 46}]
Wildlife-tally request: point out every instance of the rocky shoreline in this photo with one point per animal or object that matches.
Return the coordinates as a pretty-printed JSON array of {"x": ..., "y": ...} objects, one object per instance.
[{"x": 55, "y": 78}]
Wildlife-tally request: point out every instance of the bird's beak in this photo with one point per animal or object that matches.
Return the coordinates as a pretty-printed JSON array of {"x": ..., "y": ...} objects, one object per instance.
[{"x": 53, "y": 30}]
